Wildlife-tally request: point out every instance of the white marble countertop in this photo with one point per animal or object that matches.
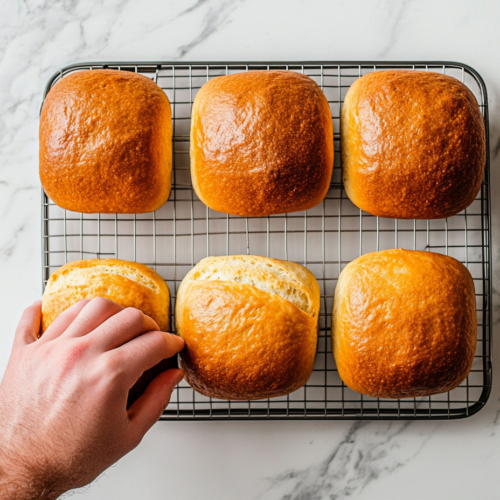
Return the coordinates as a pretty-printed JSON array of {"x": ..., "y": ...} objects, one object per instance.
[{"x": 249, "y": 460}]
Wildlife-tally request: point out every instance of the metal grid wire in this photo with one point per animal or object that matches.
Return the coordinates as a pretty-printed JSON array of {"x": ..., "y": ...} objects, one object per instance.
[{"x": 324, "y": 239}]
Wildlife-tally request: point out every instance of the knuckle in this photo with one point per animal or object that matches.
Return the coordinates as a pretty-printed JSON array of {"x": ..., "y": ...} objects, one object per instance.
[
  {"x": 133, "y": 315},
  {"x": 108, "y": 364},
  {"x": 74, "y": 353},
  {"x": 101, "y": 301},
  {"x": 76, "y": 349},
  {"x": 154, "y": 340},
  {"x": 111, "y": 367},
  {"x": 158, "y": 337}
]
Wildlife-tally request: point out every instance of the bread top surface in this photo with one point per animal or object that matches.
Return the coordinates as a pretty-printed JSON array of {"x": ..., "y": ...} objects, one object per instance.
[
  {"x": 413, "y": 144},
  {"x": 261, "y": 143},
  {"x": 105, "y": 143},
  {"x": 248, "y": 334},
  {"x": 289, "y": 280},
  {"x": 127, "y": 283},
  {"x": 404, "y": 324}
]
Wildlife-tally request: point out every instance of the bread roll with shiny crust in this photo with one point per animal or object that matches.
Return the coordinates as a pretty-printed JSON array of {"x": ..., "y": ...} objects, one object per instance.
[
  {"x": 413, "y": 145},
  {"x": 404, "y": 324},
  {"x": 250, "y": 326},
  {"x": 126, "y": 283},
  {"x": 261, "y": 143},
  {"x": 106, "y": 143}
]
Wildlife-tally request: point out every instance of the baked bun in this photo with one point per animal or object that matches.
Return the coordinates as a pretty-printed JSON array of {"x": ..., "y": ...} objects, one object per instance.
[
  {"x": 106, "y": 143},
  {"x": 404, "y": 324},
  {"x": 413, "y": 145},
  {"x": 126, "y": 283},
  {"x": 261, "y": 143},
  {"x": 250, "y": 326}
]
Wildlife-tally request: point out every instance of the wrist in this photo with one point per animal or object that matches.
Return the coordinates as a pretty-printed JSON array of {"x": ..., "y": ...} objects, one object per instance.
[{"x": 19, "y": 483}]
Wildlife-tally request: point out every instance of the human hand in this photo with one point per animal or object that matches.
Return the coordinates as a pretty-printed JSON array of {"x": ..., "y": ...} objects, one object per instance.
[{"x": 63, "y": 415}]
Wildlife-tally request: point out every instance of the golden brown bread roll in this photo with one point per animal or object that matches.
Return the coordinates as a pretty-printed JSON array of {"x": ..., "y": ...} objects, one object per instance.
[
  {"x": 413, "y": 145},
  {"x": 126, "y": 283},
  {"x": 261, "y": 143},
  {"x": 250, "y": 326},
  {"x": 404, "y": 324},
  {"x": 106, "y": 143}
]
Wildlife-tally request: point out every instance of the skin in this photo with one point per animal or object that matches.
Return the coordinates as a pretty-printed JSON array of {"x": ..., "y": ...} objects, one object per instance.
[{"x": 63, "y": 416}]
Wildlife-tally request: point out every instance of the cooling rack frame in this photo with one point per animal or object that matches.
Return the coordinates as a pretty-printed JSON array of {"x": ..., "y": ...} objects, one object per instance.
[{"x": 68, "y": 236}]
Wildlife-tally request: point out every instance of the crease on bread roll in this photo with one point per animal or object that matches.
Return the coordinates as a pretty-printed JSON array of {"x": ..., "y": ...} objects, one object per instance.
[
  {"x": 127, "y": 283},
  {"x": 250, "y": 326},
  {"x": 81, "y": 276},
  {"x": 286, "y": 279},
  {"x": 404, "y": 324}
]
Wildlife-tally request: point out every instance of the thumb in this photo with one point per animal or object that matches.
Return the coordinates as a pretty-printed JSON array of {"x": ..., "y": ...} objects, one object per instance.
[
  {"x": 29, "y": 326},
  {"x": 148, "y": 408}
]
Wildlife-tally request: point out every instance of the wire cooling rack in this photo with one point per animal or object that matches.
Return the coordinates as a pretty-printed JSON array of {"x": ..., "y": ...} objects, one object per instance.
[{"x": 324, "y": 239}]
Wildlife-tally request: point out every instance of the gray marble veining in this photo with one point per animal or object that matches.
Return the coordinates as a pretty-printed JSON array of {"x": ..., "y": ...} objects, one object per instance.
[
  {"x": 268, "y": 461},
  {"x": 367, "y": 452}
]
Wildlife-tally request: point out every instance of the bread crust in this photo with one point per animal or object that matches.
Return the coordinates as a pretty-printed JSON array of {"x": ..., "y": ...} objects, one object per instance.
[
  {"x": 106, "y": 143},
  {"x": 242, "y": 342},
  {"x": 127, "y": 283},
  {"x": 413, "y": 145},
  {"x": 261, "y": 143},
  {"x": 404, "y": 324}
]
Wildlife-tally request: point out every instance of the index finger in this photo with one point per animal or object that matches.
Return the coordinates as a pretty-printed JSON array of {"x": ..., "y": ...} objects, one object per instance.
[
  {"x": 122, "y": 328},
  {"x": 144, "y": 352}
]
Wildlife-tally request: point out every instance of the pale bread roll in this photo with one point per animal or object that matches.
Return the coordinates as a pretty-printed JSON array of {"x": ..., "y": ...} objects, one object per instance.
[
  {"x": 250, "y": 326},
  {"x": 127, "y": 283}
]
